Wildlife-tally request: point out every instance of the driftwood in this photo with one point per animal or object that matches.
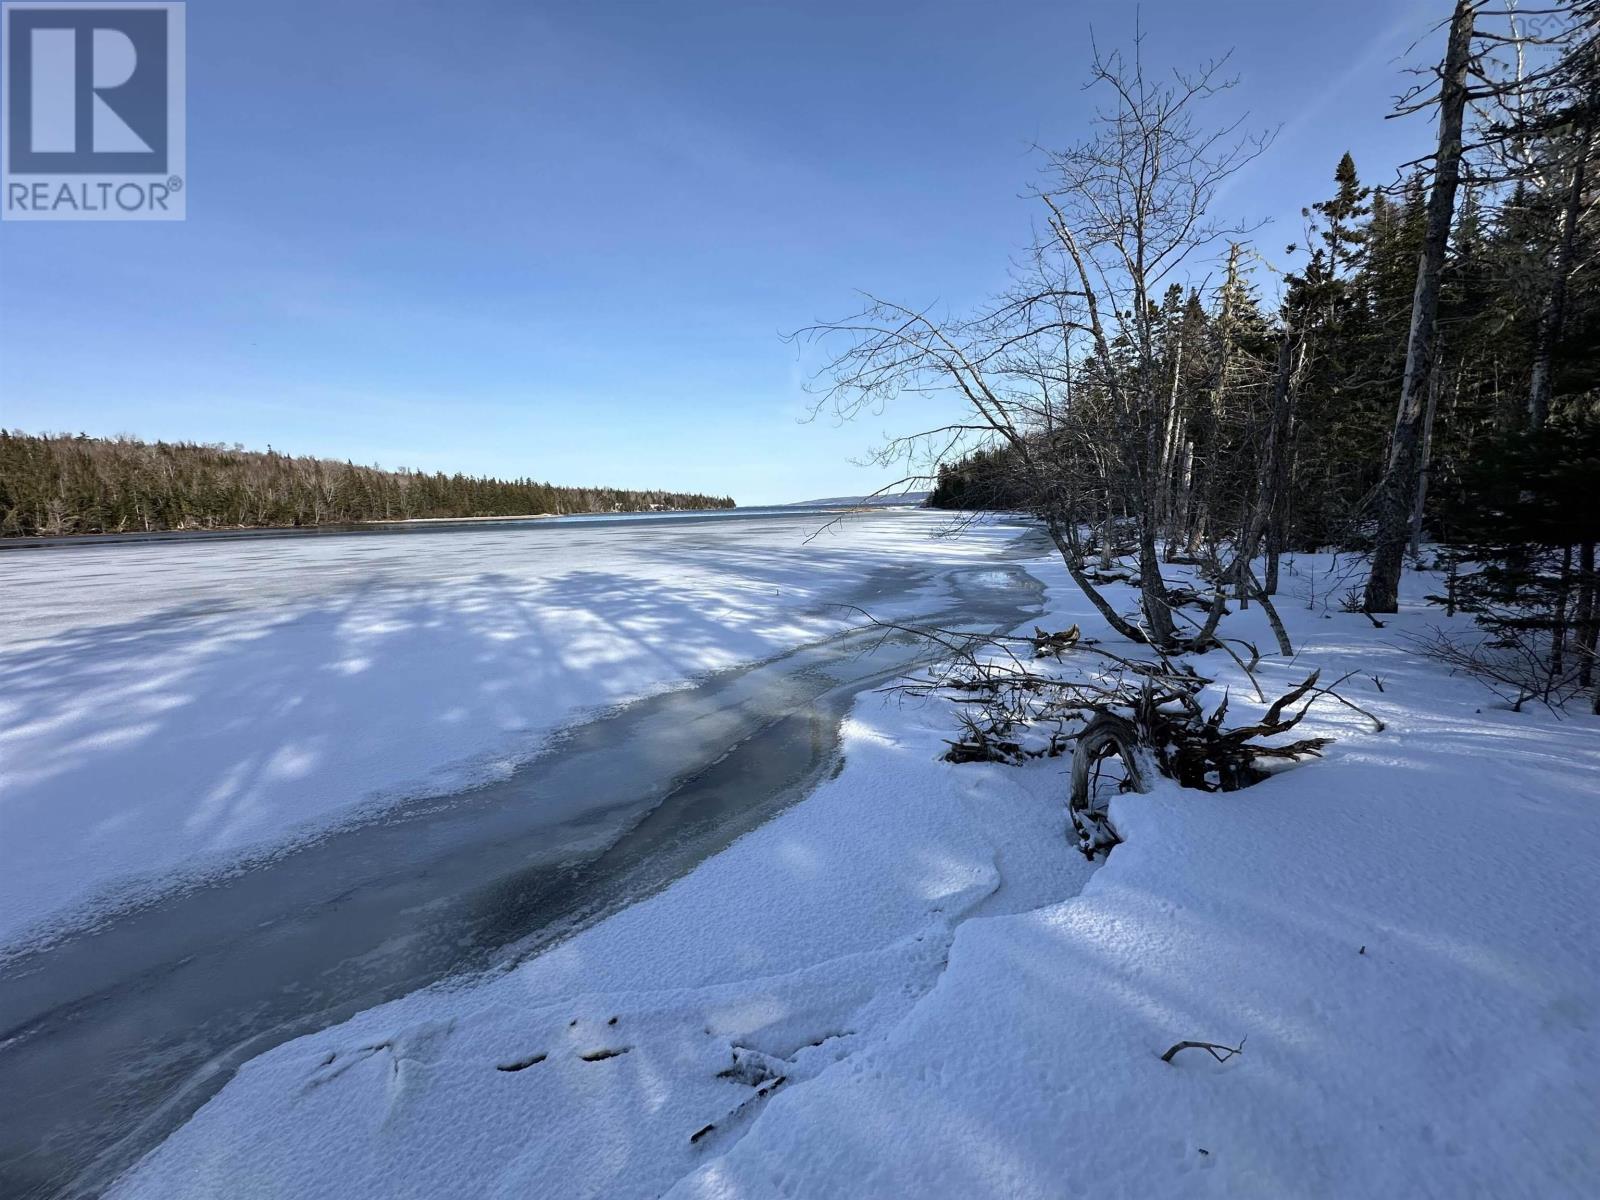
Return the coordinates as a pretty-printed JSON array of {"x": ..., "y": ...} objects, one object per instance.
[
  {"x": 1179, "y": 596},
  {"x": 1051, "y": 645},
  {"x": 1104, "y": 736},
  {"x": 1145, "y": 713},
  {"x": 1110, "y": 575},
  {"x": 1169, "y": 733},
  {"x": 1198, "y": 752}
]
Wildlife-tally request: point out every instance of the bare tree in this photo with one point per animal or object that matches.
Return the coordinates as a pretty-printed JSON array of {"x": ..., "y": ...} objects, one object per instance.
[
  {"x": 1065, "y": 369},
  {"x": 1575, "y": 107}
]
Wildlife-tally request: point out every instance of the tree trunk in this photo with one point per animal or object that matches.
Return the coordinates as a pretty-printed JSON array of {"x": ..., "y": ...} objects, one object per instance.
[
  {"x": 1197, "y": 532},
  {"x": 1259, "y": 515},
  {"x": 1586, "y": 614},
  {"x": 1178, "y": 528},
  {"x": 1278, "y": 522},
  {"x": 1152, "y": 484},
  {"x": 1425, "y": 464},
  {"x": 1552, "y": 316},
  {"x": 1285, "y": 646},
  {"x": 1558, "y": 631},
  {"x": 1171, "y": 429},
  {"x": 1153, "y": 588},
  {"x": 1206, "y": 493},
  {"x": 1397, "y": 492},
  {"x": 1275, "y": 465}
]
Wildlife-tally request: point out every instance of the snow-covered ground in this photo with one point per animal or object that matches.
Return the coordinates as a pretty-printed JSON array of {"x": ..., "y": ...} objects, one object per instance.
[
  {"x": 168, "y": 707},
  {"x": 910, "y": 985}
]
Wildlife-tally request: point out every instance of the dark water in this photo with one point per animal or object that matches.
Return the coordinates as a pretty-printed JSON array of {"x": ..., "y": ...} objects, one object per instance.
[{"x": 112, "y": 1037}]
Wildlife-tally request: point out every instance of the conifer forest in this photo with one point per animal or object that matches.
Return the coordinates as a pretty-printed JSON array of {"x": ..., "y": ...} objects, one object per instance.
[{"x": 54, "y": 485}]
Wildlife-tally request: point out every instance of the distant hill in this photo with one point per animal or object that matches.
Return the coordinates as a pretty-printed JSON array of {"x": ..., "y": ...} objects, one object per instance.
[
  {"x": 897, "y": 500},
  {"x": 56, "y": 484}
]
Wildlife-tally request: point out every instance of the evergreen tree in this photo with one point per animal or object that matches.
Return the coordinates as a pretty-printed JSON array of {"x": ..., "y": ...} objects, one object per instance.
[{"x": 54, "y": 484}]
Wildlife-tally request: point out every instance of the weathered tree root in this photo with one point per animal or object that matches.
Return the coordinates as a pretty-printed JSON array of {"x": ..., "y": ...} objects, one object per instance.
[
  {"x": 1146, "y": 712},
  {"x": 1105, "y": 734}
]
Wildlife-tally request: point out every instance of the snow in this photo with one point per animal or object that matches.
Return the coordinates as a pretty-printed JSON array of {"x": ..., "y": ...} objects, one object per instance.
[
  {"x": 910, "y": 985},
  {"x": 875, "y": 500},
  {"x": 819, "y": 931},
  {"x": 169, "y": 708}
]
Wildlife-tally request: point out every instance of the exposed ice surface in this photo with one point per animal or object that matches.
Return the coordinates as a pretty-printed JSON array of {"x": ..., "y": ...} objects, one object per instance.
[
  {"x": 614, "y": 1063},
  {"x": 166, "y": 707},
  {"x": 909, "y": 985}
]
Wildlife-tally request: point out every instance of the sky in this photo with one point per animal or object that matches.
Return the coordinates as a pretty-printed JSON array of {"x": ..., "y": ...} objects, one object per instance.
[{"x": 564, "y": 240}]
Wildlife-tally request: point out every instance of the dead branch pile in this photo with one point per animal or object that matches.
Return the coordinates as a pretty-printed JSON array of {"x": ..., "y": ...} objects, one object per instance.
[
  {"x": 1196, "y": 750},
  {"x": 1144, "y": 715}
]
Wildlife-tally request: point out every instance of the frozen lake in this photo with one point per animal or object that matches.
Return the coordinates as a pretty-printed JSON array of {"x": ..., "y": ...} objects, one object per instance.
[{"x": 256, "y": 785}]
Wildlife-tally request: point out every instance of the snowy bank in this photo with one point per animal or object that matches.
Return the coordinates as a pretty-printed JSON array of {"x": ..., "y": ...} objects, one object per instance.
[{"x": 909, "y": 984}]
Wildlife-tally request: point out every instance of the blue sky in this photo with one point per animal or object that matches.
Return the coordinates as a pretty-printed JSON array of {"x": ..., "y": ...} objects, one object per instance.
[{"x": 561, "y": 239}]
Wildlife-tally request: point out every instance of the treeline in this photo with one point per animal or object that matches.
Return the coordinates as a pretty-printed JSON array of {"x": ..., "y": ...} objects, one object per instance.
[
  {"x": 1420, "y": 363},
  {"x": 58, "y": 484},
  {"x": 1341, "y": 326},
  {"x": 985, "y": 480}
]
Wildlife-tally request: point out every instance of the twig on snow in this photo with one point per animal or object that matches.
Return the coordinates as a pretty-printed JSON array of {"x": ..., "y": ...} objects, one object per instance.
[{"x": 1219, "y": 1052}]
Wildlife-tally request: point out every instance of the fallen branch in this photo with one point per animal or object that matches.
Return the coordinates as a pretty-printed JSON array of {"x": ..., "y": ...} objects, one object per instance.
[
  {"x": 1219, "y": 1052},
  {"x": 1377, "y": 725},
  {"x": 1222, "y": 644}
]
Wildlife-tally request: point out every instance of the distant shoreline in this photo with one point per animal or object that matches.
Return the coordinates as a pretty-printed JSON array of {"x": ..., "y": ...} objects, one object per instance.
[
  {"x": 389, "y": 524},
  {"x": 63, "y": 486},
  {"x": 220, "y": 532}
]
